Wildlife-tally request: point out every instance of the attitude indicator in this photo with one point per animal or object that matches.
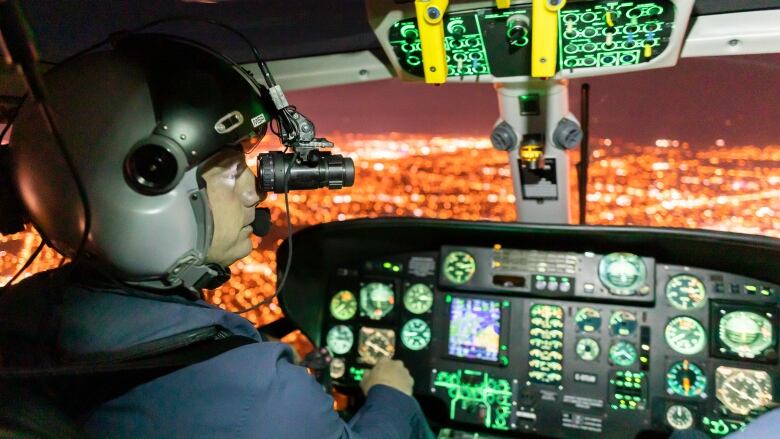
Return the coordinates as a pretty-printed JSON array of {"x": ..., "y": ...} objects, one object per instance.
[
  {"x": 376, "y": 300},
  {"x": 746, "y": 333}
]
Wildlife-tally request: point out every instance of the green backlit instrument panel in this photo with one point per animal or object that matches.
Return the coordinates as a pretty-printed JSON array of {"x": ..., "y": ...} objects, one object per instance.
[
  {"x": 477, "y": 396},
  {"x": 603, "y": 34},
  {"x": 559, "y": 344},
  {"x": 497, "y": 42}
]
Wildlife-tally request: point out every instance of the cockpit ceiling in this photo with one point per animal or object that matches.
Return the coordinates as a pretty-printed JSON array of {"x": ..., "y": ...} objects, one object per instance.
[{"x": 281, "y": 29}]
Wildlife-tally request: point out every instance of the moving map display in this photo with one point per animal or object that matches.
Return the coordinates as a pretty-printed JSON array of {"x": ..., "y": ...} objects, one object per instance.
[{"x": 475, "y": 328}]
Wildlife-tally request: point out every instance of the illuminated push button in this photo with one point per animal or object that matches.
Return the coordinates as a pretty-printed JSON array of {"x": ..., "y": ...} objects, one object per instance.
[
  {"x": 540, "y": 284},
  {"x": 552, "y": 285},
  {"x": 565, "y": 287}
]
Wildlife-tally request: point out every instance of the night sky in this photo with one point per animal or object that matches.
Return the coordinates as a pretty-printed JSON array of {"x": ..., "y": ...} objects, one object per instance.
[{"x": 735, "y": 98}]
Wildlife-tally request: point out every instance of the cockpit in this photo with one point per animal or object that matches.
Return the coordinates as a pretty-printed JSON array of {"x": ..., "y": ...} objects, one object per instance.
[{"x": 553, "y": 249}]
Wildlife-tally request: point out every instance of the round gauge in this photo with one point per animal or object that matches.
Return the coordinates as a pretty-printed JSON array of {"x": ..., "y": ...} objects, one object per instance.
[
  {"x": 375, "y": 344},
  {"x": 685, "y": 335},
  {"x": 588, "y": 319},
  {"x": 622, "y": 323},
  {"x": 340, "y": 339},
  {"x": 686, "y": 379},
  {"x": 622, "y": 353},
  {"x": 416, "y": 334},
  {"x": 343, "y": 305},
  {"x": 418, "y": 299},
  {"x": 587, "y": 349},
  {"x": 685, "y": 292},
  {"x": 459, "y": 267},
  {"x": 622, "y": 273},
  {"x": 376, "y": 300},
  {"x": 679, "y": 417},
  {"x": 337, "y": 368},
  {"x": 746, "y": 333},
  {"x": 745, "y": 390}
]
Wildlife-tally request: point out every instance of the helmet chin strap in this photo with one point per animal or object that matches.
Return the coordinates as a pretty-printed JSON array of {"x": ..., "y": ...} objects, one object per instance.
[{"x": 213, "y": 278}]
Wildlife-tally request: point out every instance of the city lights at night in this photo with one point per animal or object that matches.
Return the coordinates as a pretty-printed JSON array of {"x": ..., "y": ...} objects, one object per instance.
[{"x": 668, "y": 184}]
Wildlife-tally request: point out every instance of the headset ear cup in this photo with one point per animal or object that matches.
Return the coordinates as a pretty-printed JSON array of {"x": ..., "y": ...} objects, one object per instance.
[{"x": 155, "y": 165}]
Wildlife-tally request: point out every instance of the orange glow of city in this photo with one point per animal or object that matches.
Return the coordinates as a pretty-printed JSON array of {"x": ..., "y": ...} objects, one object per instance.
[{"x": 722, "y": 187}]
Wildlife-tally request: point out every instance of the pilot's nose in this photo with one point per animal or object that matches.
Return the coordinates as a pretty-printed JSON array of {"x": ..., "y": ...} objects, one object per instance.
[{"x": 250, "y": 195}]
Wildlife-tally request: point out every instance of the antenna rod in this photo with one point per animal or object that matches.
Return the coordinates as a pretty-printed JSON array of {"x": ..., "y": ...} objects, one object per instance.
[{"x": 582, "y": 167}]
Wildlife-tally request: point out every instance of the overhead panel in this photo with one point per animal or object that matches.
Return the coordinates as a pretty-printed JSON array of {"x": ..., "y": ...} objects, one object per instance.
[{"x": 593, "y": 38}]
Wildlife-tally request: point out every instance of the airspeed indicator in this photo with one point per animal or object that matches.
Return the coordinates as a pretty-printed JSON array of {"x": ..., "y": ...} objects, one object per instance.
[{"x": 685, "y": 292}]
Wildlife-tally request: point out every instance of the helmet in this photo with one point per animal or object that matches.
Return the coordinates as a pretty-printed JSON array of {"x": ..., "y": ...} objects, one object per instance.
[{"x": 139, "y": 121}]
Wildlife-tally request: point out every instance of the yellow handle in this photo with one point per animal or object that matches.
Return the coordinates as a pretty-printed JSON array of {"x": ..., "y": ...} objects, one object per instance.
[
  {"x": 544, "y": 37},
  {"x": 430, "y": 21},
  {"x": 502, "y": 4}
]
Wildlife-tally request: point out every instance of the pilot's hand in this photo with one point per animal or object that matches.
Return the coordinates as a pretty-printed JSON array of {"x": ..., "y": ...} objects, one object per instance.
[{"x": 391, "y": 373}]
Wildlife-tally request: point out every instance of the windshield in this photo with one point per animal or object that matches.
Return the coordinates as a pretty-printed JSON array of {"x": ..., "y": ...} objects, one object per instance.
[{"x": 694, "y": 146}]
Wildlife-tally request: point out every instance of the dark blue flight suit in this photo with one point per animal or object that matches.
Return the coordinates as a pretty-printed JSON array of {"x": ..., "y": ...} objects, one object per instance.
[{"x": 253, "y": 391}]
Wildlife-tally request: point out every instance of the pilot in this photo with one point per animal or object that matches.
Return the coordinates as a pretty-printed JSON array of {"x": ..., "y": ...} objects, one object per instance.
[{"x": 154, "y": 129}]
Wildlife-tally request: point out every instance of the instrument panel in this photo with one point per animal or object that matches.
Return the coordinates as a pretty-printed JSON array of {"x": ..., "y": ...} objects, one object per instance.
[
  {"x": 560, "y": 343},
  {"x": 594, "y": 37}
]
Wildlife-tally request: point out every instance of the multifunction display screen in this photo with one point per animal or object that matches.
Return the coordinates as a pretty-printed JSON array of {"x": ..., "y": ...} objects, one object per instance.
[{"x": 475, "y": 329}]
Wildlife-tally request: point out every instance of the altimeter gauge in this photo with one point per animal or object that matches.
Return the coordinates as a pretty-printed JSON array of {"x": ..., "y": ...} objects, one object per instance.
[
  {"x": 418, "y": 299},
  {"x": 376, "y": 300},
  {"x": 415, "y": 334},
  {"x": 746, "y": 333},
  {"x": 375, "y": 344},
  {"x": 685, "y": 335},
  {"x": 340, "y": 339},
  {"x": 742, "y": 390},
  {"x": 343, "y": 305},
  {"x": 459, "y": 267},
  {"x": 685, "y": 292},
  {"x": 686, "y": 379}
]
